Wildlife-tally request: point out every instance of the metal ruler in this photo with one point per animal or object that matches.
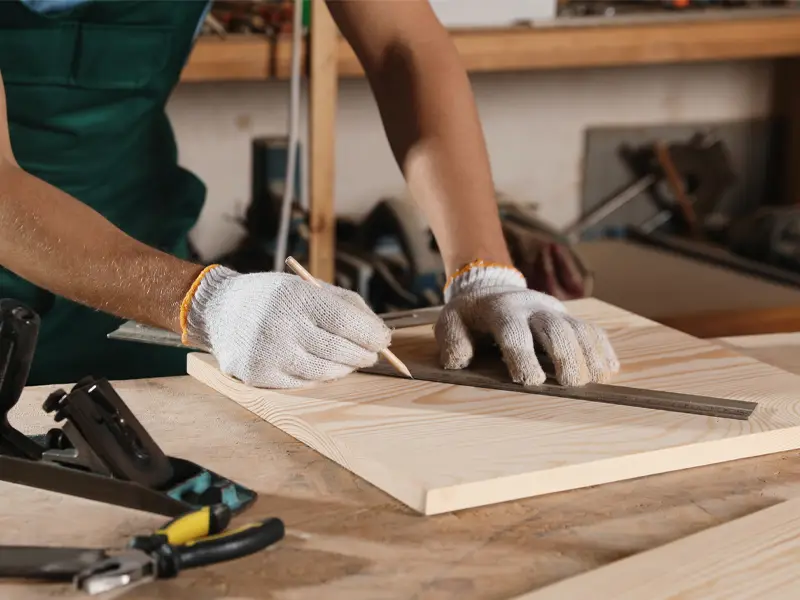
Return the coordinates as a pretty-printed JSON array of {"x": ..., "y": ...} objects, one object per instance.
[
  {"x": 593, "y": 392},
  {"x": 487, "y": 377}
]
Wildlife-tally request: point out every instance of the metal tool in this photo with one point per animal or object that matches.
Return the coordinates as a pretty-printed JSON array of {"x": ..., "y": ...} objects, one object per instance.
[
  {"x": 486, "y": 377},
  {"x": 699, "y": 172},
  {"x": 131, "y": 331},
  {"x": 194, "y": 540},
  {"x": 609, "y": 205},
  {"x": 46, "y": 563},
  {"x": 102, "y": 452}
]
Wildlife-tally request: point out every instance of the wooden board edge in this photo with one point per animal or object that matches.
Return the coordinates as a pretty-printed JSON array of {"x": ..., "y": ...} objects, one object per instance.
[
  {"x": 634, "y": 466},
  {"x": 203, "y": 368},
  {"x": 737, "y": 529}
]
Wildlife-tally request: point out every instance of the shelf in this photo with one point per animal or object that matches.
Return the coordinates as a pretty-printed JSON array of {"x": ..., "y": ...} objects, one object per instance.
[
  {"x": 249, "y": 58},
  {"x": 236, "y": 58}
]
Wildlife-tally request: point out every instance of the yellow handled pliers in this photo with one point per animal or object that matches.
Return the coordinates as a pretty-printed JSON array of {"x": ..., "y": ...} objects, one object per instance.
[{"x": 193, "y": 540}]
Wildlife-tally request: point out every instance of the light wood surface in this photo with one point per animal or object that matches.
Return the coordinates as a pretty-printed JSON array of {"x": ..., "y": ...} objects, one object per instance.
[
  {"x": 752, "y": 558},
  {"x": 350, "y": 541},
  {"x": 322, "y": 123},
  {"x": 523, "y": 48},
  {"x": 438, "y": 447}
]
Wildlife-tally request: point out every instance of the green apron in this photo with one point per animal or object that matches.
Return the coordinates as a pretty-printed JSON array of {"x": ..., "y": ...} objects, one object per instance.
[{"x": 86, "y": 91}]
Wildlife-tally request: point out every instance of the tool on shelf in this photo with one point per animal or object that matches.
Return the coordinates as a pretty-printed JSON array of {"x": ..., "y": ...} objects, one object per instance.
[
  {"x": 102, "y": 452},
  {"x": 699, "y": 173}
]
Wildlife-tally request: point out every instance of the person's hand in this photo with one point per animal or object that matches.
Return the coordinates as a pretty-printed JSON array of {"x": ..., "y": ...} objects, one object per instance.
[
  {"x": 487, "y": 300},
  {"x": 276, "y": 330}
]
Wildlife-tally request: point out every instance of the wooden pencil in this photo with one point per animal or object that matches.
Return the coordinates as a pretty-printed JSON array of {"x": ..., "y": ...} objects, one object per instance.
[{"x": 387, "y": 354}]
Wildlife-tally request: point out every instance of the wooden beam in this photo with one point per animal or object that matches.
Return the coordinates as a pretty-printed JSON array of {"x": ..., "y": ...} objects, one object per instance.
[
  {"x": 542, "y": 48},
  {"x": 322, "y": 123},
  {"x": 518, "y": 49},
  {"x": 724, "y": 323},
  {"x": 786, "y": 108},
  {"x": 236, "y": 58}
]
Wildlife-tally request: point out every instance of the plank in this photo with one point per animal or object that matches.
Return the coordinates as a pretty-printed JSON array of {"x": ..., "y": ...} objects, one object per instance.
[
  {"x": 324, "y": 89},
  {"x": 439, "y": 447},
  {"x": 750, "y": 558}
]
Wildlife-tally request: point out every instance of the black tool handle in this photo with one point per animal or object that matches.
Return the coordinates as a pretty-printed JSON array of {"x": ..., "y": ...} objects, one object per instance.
[
  {"x": 237, "y": 543},
  {"x": 19, "y": 330}
]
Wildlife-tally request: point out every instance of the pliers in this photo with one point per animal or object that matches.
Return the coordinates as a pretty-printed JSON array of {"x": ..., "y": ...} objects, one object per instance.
[{"x": 193, "y": 540}]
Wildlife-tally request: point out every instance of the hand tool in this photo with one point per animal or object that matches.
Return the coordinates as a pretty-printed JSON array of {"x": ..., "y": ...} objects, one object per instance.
[
  {"x": 699, "y": 170},
  {"x": 306, "y": 276},
  {"x": 131, "y": 331},
  {"x": 102, "y": 452},
  {"x": 44, "y": 563},
  {"x": 486, "y": 376},
  {"x": 194, "y": 540}
]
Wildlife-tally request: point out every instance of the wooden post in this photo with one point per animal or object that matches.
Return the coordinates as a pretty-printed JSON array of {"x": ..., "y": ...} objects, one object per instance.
[
  {"x": 324, "y": 80},
  {"x": 786, "y": 107}
]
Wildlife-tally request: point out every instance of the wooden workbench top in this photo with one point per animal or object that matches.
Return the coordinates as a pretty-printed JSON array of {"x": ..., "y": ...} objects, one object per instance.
[{"x": 347, "y": 539}]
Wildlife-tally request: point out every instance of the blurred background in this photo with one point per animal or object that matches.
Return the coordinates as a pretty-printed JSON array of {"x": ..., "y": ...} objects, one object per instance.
[{"x": 643, "y": 153}]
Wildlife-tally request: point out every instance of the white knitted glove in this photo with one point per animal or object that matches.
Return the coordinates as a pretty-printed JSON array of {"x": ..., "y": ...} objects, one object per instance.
[
  {"x": 495, "y": 301},
  {"x": 276, "y": 330}
]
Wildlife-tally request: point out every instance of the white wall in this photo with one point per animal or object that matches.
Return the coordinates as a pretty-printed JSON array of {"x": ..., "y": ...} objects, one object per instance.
[{"x": 534, "y": 123}]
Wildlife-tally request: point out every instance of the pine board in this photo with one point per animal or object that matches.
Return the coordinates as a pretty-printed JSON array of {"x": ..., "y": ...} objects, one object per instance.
[
  {"x": 752, "y": 558},
  {"x": 440, "y": 447}
]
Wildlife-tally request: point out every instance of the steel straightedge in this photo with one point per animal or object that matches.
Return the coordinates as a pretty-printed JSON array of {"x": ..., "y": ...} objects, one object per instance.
[{"x": 593, "y": 392}]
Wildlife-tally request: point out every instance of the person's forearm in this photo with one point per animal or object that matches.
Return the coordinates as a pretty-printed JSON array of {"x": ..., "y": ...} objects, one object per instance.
[
  {"x": 432, "y": 123},
  {"x": 57, "y": 243}
]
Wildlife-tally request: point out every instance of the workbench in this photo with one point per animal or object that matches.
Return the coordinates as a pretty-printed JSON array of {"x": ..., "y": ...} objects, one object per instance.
[{"x": 346, "y": 539}]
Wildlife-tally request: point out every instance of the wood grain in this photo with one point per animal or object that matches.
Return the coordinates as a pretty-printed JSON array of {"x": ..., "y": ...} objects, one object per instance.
[
  {"x": 439, "y": 447},
  {"x": 750, "y": 558},
  {"x": 347, "y": 540}
]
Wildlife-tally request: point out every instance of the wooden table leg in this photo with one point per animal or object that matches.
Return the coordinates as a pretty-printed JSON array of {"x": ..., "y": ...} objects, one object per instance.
[{"x": 324, "y": 80}]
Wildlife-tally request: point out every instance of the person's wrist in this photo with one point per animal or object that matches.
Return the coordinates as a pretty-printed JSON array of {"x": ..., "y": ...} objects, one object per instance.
[
  {"x": 480, "y": 274},
  {"x": 491, "y": 252},
  {"x": 200, "y": 303}
]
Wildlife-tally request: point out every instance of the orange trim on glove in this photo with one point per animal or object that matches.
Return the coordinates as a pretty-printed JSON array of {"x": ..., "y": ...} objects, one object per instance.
[
  {"x": 475, "y": 264},
  {"x": 187, "y": 303}
]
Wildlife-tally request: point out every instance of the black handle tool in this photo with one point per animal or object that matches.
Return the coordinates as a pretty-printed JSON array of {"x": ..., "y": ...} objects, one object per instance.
[
  {"x": 191, "y": 541},
  {"x": 19, "y": 331}
]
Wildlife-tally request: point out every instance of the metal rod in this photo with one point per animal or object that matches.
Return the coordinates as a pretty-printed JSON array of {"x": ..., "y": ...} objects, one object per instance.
[{"x": 608, "y": 206}]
